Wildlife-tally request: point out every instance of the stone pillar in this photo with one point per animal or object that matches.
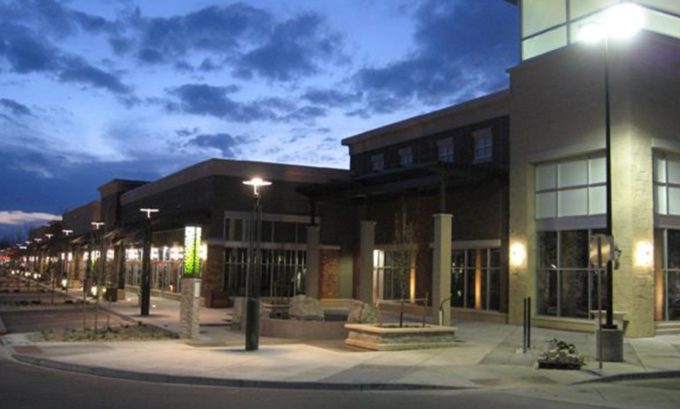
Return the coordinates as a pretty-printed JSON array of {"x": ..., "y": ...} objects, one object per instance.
[
  {"x": 367, "y": 243},
  {"x": 312, "y": 282},
  {"x": 441, "y": 268},
  {"x": 189, "y": 313}
]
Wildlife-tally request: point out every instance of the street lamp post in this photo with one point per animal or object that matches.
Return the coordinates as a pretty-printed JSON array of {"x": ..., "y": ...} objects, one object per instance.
[
  {"x": 619, "y": 22},
  {"x": 50, "y": 267},
  {"x": 254, "y": 271},
  {"x": 145, "y": 292},
  {"x": 66, "y": 262}
]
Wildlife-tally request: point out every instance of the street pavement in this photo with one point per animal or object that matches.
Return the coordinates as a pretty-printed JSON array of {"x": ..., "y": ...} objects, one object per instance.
[{"x": 487, "y": 356}]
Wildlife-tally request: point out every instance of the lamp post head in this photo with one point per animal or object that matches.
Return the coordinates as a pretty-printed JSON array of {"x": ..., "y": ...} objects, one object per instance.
[
  {"x": 49, "y": 236},
  {"x": 256, "y": 182},
  {"x": 67, "y": 232},
  {"x": 97, "y": 225},
  {"x": 148, "y": 211},
  {"x": 621, "y": 21}
]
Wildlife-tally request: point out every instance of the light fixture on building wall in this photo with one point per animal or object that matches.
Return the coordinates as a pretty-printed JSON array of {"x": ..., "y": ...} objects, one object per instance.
[
  {"x": 518, "y": 254},
  {"x": 644, "y": 254}
]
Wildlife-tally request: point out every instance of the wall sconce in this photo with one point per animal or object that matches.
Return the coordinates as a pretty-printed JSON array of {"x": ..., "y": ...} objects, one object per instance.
[
  {"x": 644, "y": 254},
  {"x": 518, "y": 254}
]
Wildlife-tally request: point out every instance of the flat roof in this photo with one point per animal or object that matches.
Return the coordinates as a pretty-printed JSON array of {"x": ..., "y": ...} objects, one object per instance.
[
  {"x": 452, "y": 117},
  {"x": 238, "y": 169}
]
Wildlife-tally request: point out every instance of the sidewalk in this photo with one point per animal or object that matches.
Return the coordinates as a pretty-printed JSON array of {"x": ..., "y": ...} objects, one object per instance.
[{"x": 487, "y": 356}]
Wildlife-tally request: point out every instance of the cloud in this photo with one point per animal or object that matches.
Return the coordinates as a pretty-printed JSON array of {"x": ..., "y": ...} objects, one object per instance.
[
  {"x": 219, "y": 29},
  {"x": 451, "y": 62},
  {"x": 81, "y": 72},
  {"x": 204, "y": 99},
  {"x": 16, "y": 108},
  {"x": 295, "y": 48},
  {"x": 26, "y": 52},
  {"x": 18, "y": 217},
  {"x": 331, "y": 97},
  {"x": 224, "y": 142}
]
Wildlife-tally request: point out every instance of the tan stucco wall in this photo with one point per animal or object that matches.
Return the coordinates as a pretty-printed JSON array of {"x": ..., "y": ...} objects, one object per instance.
[{"x": 557, "y": 111}]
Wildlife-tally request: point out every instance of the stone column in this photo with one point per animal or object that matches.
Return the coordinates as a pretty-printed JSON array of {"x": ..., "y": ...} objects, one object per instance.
[
  {"x": 441, "y": 268},
  {"x": 189, "y": 314},
  {"x": 367, "y": 243},
  {"x": 312, "y": 283}
]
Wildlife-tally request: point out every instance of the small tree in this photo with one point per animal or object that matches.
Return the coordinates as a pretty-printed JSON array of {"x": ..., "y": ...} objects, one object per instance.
[{"x": 404, "y": 238}]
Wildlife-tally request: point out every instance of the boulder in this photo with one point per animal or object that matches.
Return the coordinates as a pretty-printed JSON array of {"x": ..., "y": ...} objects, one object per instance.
[
  {"x": 362, "y": 313},
  {"x": 302, "y": 307}
]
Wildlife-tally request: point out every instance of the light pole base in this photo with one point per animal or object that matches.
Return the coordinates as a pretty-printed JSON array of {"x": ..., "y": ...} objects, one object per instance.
[{"x": 612, "y": 344}]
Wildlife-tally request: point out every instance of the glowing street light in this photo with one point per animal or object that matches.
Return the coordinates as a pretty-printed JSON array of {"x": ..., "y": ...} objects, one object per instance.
[
  {"x": 254, "y": 271},
  {"x": 619, "y": 22},
  {"x": 256, "y": 182}
]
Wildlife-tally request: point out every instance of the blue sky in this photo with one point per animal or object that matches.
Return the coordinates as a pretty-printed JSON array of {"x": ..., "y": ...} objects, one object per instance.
[{"x": 92, "y": 90}]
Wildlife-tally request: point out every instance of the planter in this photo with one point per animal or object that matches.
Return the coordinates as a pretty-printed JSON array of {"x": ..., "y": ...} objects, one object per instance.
[{"x": 377, "y": 338}]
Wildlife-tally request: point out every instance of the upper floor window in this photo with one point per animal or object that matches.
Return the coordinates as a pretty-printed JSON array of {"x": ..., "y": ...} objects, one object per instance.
[
  {"x": 571, "y": 188},
  {"x": 405, "y": 157},
  {"x": 377, "y": 163},
  {"x": 445, "y": 152},
  {"x": 667, "y": 185},
  {"x": 483, "y": 145}
]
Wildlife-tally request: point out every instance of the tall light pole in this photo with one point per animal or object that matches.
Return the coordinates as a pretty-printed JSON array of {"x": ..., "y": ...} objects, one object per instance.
[
  {"x": 620, "y": 22},
  {"x": 145, "y": 292},
  {"x": 254, "y": 272},
  {"x": 66, "y": 263}
]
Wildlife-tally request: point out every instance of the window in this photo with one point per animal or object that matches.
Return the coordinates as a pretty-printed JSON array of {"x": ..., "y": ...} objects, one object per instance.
[
  {"x": 483, "y": 145},
  {"x": 283, "y": 272},
  {"x": 566, "y": 286},
  {"x": 405, "y": 157},
  {"x": 445, "y": 152},
  {"x": 671, "y": 274},
  {"x": 391, "y": 274},
  {"x": 667, "y": 185},
  {"x": 273, "y": 231},
  {"x": 377, "y": 163},
  {"x": 475, "y": 278},
  {"x": 571, "y": 188},
  {"x": 538, "y": 15}
]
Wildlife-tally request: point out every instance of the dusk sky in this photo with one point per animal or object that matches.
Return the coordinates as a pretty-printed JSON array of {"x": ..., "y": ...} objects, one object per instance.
[{"x": 92, "y": 90}]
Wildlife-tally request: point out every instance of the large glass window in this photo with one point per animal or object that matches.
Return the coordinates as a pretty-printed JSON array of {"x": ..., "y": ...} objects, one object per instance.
[
  {"x": 544, "y": 22},
  {"x": 566, "y": 285},
  {"x": 667, "y": 185},
  {"x": 391, "y": 275},
  {"x": 283, "y": 272},
  {"x": 538, "y": 15},
  {"x": 570, "y": 188},
  {"x": 475, "y": 278},
  {"x": 671, "y": 274}
]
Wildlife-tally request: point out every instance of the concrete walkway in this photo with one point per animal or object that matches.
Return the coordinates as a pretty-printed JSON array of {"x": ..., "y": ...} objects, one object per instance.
[{"x": 487, "y": 356}]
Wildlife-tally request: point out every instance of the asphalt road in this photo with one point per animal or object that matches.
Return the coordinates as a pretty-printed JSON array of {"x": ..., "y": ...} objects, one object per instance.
[{"x": 23, "y": 386}]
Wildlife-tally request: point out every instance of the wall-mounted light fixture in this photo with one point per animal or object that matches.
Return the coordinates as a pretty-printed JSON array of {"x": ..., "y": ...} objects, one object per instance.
[
  {"x": 518, "y": 254},
  {"x": 644, "y": 254}
]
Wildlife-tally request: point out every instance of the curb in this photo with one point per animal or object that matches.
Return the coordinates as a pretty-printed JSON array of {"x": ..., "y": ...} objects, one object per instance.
[
  {"x": 630, "y": 377},
  {"x": 232, "y": 383}
]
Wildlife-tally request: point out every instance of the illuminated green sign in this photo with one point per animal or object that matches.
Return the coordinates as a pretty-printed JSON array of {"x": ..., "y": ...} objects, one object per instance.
[{"x": 192, "y": 245}]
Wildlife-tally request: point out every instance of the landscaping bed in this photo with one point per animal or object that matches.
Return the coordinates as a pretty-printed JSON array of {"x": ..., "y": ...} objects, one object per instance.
[{"x": 133, "y": 332}]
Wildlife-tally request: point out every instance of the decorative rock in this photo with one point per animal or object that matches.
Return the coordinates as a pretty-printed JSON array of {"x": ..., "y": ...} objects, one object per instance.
[
  {"x": 362, "y": 313},
  {"x": 306, "y": 308},
  {"x": 560, "y": 355}
]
